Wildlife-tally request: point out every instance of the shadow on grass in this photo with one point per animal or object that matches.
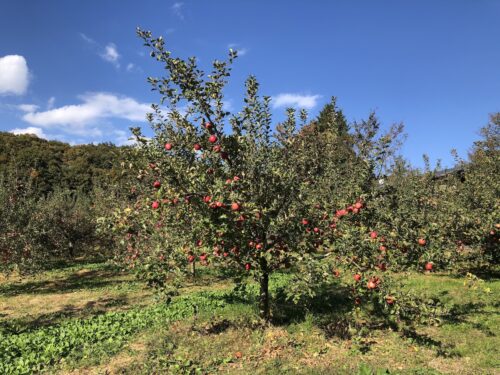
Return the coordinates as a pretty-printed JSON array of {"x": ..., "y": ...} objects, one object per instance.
[
  {"x": 91, "y": 308},
  {"x": 459, "y": 312},
  {"x": 442, "y": 350},
  {"x": 80, "y": 262},
  {"x": 90, "y": 279},
  {"x": 491, "y": 273},
  {"x": 330, "y": 302}
]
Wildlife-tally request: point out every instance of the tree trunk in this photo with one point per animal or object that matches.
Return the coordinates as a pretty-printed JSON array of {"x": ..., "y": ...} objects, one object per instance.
[
  {"x": 193, "y": 269},
  {"x": 264, "y": 291}
]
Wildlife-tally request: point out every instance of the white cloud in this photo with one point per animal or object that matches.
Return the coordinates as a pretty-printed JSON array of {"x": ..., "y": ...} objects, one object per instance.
[
  {"x": 14, "y": 75},
  {"x": 111, "y": 54},
  {"x": 295, "y": 100},
  {"x": 87, "y": 39},
  {"x": 108, "y": 53},
  {"x": 87, "y": 117},
  {"x": 241, "y": 50},
  {"x": 177, "y": 10},
  {"x": 50, "y": 102},
  {"x": 227, "y": 105},
  {"x": 131, "y": 67},
  {"x": 30, "y": 130},
  {"x": 123, "y": 138},
  {"x": 27, "y": 107}
]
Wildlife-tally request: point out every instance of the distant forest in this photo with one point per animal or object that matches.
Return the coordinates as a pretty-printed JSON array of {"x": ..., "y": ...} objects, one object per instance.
[{"x": 51, "y": 165}]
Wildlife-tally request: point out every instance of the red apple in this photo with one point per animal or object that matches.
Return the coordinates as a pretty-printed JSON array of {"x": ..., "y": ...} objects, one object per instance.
[
  {"x": 341, "y": 213},
  {"x": 212, "y": 139},
  {"x": 336, "y": 273},
  {"x": 216, "y": 148},
  {"x": 305, "y": 222},
  {"x": 373, "y": 235},
  {"x": 428, "y": 266},
  {"x": 389, "y": 300},
  {"x": 382, "y": 248},
  {"x": 316, "y": 230},
  {"x": 155, "y": 205},
  {"x": 235, "y": 206},
  {"x": 207, "y": 198},
  {"x": 248, "y": 266},
  {"x": 208, "y": 125},
  {"x": 197, "y": 147},
  {"x": 357, "y": 277},
  {"x": 371, "y": 284},
  {"x": 422, "y": 241},
  {"x": 358, "y": 205},
  {"x": 168, "y": 146},
  {"x": 258, "y": 246},
  {"x": 191, "y": 258},
  {"x": 157, "y": 184}
]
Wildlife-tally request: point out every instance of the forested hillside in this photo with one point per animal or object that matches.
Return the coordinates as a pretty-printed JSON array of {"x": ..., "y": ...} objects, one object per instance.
[{"x": 51, "y": 165}]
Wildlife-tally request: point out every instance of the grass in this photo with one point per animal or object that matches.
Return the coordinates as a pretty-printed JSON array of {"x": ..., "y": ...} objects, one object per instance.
[{"x": 90, "y": 318}]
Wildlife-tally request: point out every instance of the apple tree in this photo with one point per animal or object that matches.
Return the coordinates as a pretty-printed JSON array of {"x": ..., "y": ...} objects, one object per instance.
[{"x": 233, "y": 190}]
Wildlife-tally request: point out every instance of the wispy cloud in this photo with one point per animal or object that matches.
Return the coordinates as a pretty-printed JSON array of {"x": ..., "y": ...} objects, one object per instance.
[
  {"x": 14, "y": 75},
  {"x": 242, "y": 51},
  {"x": 27, "y": 107},
  {"x": 30, "y": 130},
  {"x": 177, "y": 10},
  {"x": 88, "y": 117},
  {"x": 295, "y": 100},
  {"x": 123, "y": 137},
  {"x": 110, "y": 54},
  {"x": 50, "y": 102},
  {"x": 227, "y": 105},
  {"x": 87, "y": 38}
]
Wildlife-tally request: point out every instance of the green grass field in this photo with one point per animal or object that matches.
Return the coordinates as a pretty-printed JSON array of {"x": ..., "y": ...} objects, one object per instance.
[{"x": 91, "y": 318}]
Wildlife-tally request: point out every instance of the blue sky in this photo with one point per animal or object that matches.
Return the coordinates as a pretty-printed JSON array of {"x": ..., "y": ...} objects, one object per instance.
[{"x": 76, "y": 72}]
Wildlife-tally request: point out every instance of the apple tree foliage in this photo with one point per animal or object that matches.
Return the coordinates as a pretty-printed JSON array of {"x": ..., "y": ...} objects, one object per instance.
[
  {"x": 235, "y": 191},
  {"x": 450, "y": 220}
]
